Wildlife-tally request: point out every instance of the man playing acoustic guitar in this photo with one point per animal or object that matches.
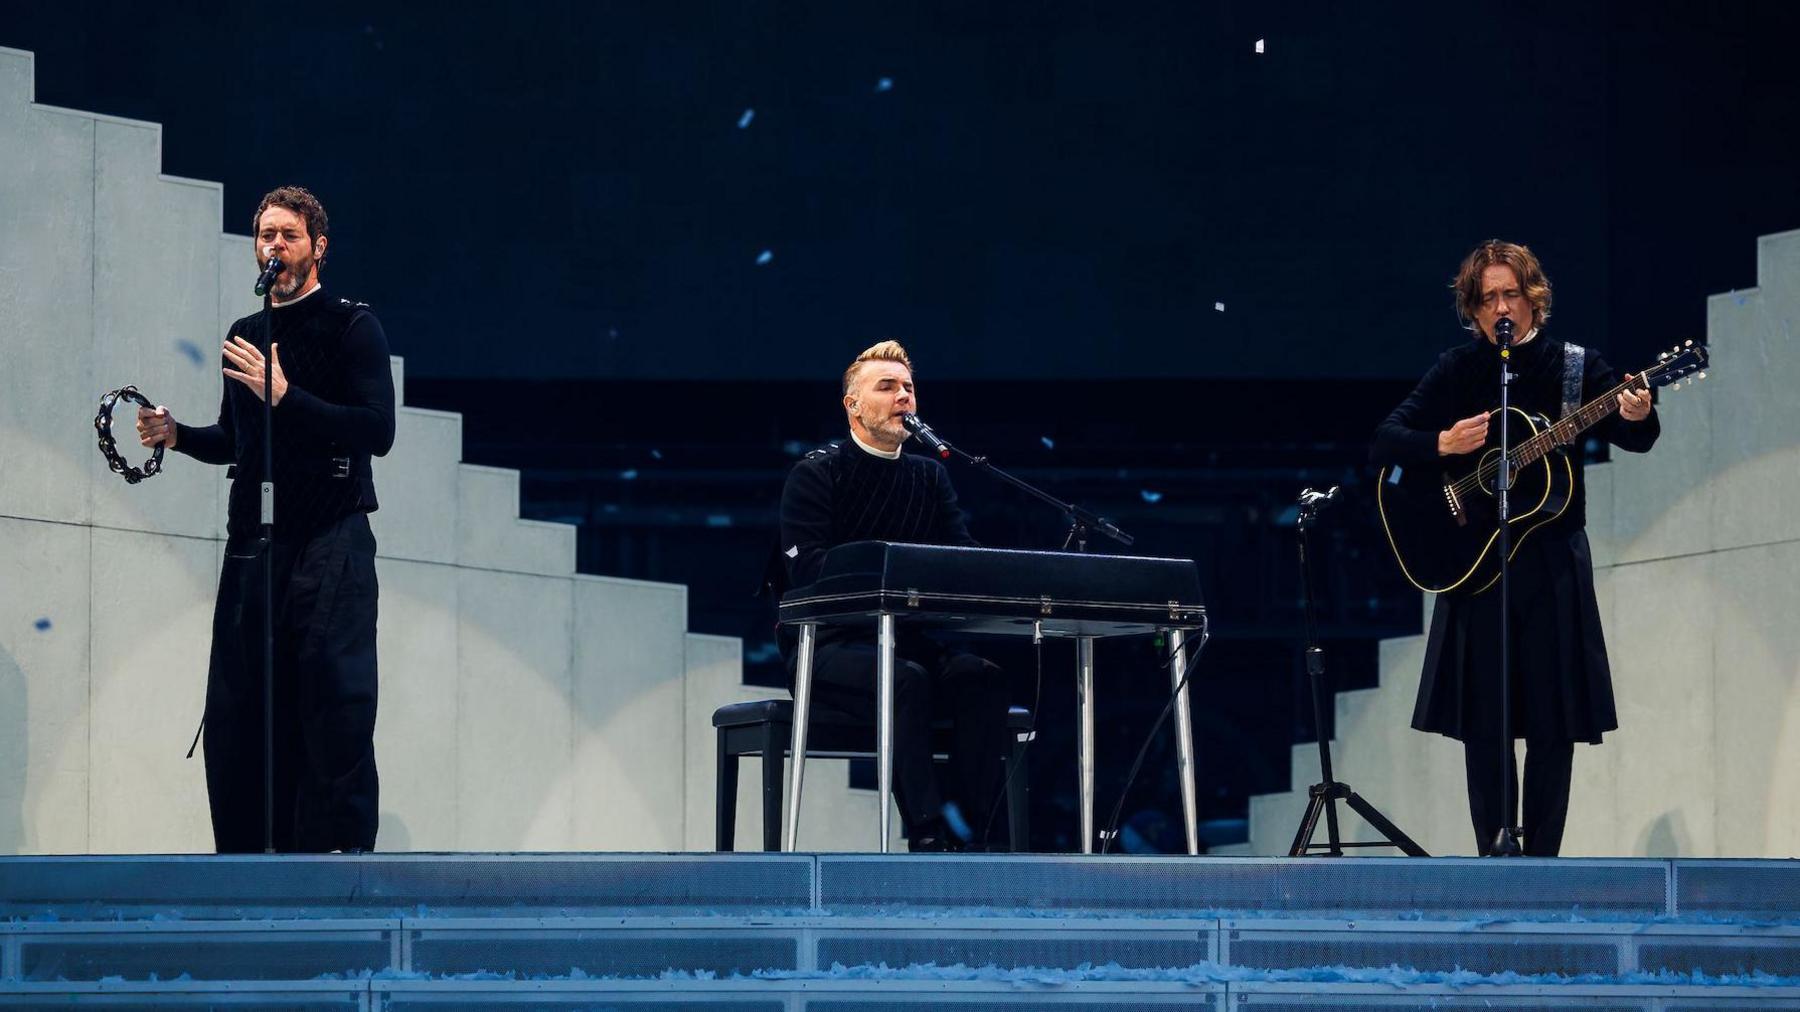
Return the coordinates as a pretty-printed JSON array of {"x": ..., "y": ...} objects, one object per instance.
[{"x": 1561, "y": 685}]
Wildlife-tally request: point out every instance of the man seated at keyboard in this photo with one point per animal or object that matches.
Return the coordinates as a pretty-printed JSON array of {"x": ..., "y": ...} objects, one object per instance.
[{"x": 866, "y": 489}]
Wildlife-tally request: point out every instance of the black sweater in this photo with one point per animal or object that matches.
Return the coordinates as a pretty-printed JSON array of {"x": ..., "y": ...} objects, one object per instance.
[
  {"x": 1466, "y": 381},
  {"x": 339, "y": 403},
  {"x": 844, "y": 493}
]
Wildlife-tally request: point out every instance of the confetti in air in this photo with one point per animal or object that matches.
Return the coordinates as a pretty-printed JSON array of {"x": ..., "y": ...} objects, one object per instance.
[
  {"x": 655, "y": 454},
  {"x": 746, "y": 119},
  {"x": 1149, "y": 496},
  {"x": 763, "y": 258},
  {"x": 885, "y": 84},
  {"x": 1049, "y": 444},
  {"x": 629, "y": 474},
  {"x": 1218, "y": 307},
  {"x": 192, "y": 351},
  {"x": 41, "y": 625},
  {"x": 1259, "y": 45}
]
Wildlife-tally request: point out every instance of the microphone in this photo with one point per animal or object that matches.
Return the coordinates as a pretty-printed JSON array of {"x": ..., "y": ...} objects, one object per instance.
[
  {"x": 1503, "y": 331},
  {"x": 928, "y": 437},
  {"x": 270, "y": 272}
]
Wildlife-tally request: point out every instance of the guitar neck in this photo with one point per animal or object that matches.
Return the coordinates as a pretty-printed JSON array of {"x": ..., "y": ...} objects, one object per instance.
[{"x": 1584, "y": 418}]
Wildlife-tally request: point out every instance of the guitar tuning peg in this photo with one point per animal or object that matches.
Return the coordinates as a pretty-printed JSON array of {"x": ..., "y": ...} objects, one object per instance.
[
  {"x": 1702, "y": 376},
  {"x": 1687, "y": 344}
]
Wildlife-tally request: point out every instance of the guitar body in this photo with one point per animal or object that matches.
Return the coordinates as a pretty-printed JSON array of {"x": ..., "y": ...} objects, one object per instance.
[{"x": 1442, "y": 521}]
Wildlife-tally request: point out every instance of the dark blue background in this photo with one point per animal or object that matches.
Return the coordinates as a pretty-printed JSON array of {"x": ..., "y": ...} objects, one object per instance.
[{"x": 1049, "y": 190}]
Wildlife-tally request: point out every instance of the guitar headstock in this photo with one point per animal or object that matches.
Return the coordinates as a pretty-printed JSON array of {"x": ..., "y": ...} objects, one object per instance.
[{"x": 1677, "y": 364}]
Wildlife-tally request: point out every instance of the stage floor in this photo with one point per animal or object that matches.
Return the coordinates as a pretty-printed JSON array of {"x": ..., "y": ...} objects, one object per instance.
[{"x": 842, "y": 931}]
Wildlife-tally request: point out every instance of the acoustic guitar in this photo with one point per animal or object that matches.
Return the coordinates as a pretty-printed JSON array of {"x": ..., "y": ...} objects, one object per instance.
[{"x": 1443, "y": 522}]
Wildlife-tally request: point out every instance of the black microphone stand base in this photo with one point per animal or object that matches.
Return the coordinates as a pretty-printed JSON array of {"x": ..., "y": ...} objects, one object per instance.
[
  {"x": 1323, "y": 797},
  {"x": 1506, "y": 844}
]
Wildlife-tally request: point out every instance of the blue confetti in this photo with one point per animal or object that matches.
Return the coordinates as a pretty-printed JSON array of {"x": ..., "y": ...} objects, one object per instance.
[
  {"x": 1742, "y": 299},
  {"x": 41, "y": 625},
  {"x": 655, "y": 454},
  {"x": 629, "y": 474},
  {"x": 1149, "y": 496},
  {"x": 1218, "y": 307},
  {"x": 1049, "y": 444},
  {"x": 192, "y": 351},
  {"x": 746, "y": 119},
  {"x": 885, "y": 84},
  {"x": 764, "y": 257},
  {"x": 718, "y": 520},
  {"x": 612, "y": 333}
]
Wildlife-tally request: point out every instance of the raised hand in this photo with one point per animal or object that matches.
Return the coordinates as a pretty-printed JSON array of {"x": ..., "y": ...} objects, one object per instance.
[
  {"x": 155, "y": 427},
  {"x": 249, "y": 371},
  {"x": 1465, "y": 436}
]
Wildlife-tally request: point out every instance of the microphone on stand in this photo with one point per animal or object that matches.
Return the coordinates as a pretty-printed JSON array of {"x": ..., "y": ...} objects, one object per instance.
[
  {"x": 270, "y": 272},
  {"x": 1503, "y": 331},
  {"x": 926, "y": 436}
]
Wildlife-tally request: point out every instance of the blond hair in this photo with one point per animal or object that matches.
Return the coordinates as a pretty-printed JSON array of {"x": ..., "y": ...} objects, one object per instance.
[{"x": 886, "y": 351}]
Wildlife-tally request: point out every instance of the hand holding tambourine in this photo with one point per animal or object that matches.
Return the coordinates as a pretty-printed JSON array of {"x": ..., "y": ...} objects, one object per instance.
[{"x": 155, "y": 428}]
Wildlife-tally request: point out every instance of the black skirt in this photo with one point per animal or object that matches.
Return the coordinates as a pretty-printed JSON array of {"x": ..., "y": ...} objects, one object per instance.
[{"x": 1561, "y": 682}]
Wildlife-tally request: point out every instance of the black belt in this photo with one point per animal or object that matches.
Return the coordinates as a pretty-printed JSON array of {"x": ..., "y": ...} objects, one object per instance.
[{"x": 330, "y": 467}]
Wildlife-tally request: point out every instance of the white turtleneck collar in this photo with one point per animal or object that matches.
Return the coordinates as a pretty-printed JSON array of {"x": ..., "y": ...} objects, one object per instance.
[
  {"x": 310, "y": 292},
  {"x": 893, "y": 454}
]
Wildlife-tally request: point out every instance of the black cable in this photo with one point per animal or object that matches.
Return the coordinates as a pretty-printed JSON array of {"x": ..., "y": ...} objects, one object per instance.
[
  {"x": 1187, "y": 671},
  {"x": 1037, "y": 697}
]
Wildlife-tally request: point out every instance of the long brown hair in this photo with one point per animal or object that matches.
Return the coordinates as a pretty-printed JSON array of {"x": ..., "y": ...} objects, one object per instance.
[{"x": 1524, "y": 264}]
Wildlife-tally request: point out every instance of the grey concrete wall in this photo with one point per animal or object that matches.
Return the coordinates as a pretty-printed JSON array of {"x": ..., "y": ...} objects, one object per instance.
[
  {"x": 1697, "y": 555},
  {"x": 523, "y": 706}
]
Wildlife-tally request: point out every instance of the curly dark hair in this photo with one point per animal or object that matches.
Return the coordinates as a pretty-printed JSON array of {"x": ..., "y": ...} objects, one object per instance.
[
  {"x": 299, "y": 200},
  {"x": 1524, "y": 264}
]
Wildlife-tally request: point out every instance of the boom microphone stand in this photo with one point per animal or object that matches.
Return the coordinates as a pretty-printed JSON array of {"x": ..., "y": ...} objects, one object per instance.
[
  {"x": 1325, "y": 795},
  {"x": 1506, "y": 842}
]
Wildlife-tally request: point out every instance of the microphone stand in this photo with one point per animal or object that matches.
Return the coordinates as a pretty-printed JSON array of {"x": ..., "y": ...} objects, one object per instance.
[
  {"x": 1506, "y": 842},
  {"x": 1082, "y": 521},
  {"x": 267, "y": 539},
  {"x": 1329, "y": 791}
]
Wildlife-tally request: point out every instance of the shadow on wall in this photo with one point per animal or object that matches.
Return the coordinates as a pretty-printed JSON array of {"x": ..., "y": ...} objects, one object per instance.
[{"x": 13, "y": 748}]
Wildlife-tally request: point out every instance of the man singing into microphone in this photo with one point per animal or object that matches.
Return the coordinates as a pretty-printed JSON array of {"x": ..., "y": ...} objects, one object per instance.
[
  {"x": 332, "y": 408},
  {"x": 866, "y": 489},
  {"x": 1561, "y": 685}
]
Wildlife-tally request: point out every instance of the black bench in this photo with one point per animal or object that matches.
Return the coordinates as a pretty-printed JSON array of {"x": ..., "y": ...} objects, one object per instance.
[{"x": 765, "y": 728}]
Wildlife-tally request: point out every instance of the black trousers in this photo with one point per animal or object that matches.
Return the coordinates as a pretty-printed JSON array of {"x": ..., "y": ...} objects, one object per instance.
[
  {"x": 1548, "y": 768},
  {"x": 326, "y": 787},
  {"x": 929, "y": 684}
]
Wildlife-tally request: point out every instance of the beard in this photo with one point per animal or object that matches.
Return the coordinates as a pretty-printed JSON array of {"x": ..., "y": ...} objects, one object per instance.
[
  {"x": 292, "y": 277},
  {"x": 886, "y": 426}
]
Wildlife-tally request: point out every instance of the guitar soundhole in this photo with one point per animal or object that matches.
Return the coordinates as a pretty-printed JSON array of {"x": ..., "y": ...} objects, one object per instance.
[{"x": 1487, "y": 473}]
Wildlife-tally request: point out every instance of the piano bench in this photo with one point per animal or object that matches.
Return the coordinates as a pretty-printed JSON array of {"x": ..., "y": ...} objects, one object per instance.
[{"x": 765, "y": 727}]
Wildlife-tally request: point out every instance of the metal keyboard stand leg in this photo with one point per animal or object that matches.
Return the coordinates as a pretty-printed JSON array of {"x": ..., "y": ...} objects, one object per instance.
[
  {"x": 1184, "y": 740},
  {"x": 884, "y": 741},
  {"x": 1084, "y": 714},
  {"x": 803, "y": 671}
]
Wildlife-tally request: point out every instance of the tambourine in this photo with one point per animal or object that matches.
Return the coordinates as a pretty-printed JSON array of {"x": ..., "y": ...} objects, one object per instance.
[{"x": 103, "y": 421}]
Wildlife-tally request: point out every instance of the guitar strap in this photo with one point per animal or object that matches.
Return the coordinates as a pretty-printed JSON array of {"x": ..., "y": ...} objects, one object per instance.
[{"x": 1574, "y": 365}]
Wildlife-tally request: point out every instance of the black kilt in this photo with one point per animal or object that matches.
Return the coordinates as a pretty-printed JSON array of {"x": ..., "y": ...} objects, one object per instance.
[{"x": 1561, "y": 682}]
